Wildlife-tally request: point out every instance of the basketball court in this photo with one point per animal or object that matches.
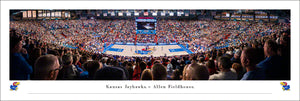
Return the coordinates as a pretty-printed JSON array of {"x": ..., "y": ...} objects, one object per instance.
[{"x": 141, "y": 51}]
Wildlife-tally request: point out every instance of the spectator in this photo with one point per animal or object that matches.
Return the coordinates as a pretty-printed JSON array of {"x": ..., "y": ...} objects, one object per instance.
[
  {"x": 273, "y": 64},
  {"x": 211, "y": 67},
  {"x": 92, "y": 67},
  {"x": 236, "y": 57},
  {"x": 61, "y": 52},
  {"x": 149, "y": 64},
  {"x": 285, "y": 52},
  {"x": 184, "y": 73},
  {"x": 25, "y": 54},
  {"x": 76, "y": 62},
  {"x": 175, "y": 64},
  {"x": 19, "y": 67},
  {"x": 82, "y": 71},
  {"x": 143, "y": 66},
  {"x": 130, "y": 70},
  {"x": 202, "y": 61},
  {"x": 83, "y": 59},
  {"x": 238, "y": 69},
  {"x": 44, "y": 51},
  {"x": 156, "y": 62},
  {"x": 284, "y": 49},
  {"x": 110, "y": 73},
  {"x": 54, "y": 52},
  {"x": 159, "y": 72},
  {"x": 125, "y": 63},
  {"x": 176, "y": 75},
  {"x": 225, "y": 73},
  {"x": 115, "y": 63},
  {"x": 249, "y": 61},
  {"x": 169, "y": 70},
  {"x": 137, "y": 70},
  {"x": 196, "y": 72},
  {"x": 194, "y": 59},
  {"x": 125, "y": 71},
  {"x": 46, "y": 68},
  {"x": 36, "y": 53},
  {"x": 69, "y": 71},
  {"x": 146, "y": 75}
]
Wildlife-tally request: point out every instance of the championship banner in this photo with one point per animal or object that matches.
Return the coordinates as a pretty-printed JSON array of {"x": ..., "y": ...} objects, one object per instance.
[
  {"x": 128, "y": 14},
  {"x": 146, "y": 14}
]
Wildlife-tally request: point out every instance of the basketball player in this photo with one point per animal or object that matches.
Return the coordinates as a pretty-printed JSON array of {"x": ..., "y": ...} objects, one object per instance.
[
  {"x": 135, "y": 48},
  {"x": 147, "y": 47}
]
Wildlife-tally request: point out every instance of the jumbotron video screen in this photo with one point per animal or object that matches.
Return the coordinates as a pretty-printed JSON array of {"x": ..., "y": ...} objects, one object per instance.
[{"x": 145, "y": 25}]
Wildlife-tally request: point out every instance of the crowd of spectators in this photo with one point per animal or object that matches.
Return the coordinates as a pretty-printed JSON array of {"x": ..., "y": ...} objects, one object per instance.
[
  {"x": 93, "y": 35},
  {"x": 38, "y": 51}
]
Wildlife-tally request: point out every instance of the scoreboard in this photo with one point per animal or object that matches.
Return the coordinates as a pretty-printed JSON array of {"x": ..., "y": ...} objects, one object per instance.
[{"x": 145, "y": 25}]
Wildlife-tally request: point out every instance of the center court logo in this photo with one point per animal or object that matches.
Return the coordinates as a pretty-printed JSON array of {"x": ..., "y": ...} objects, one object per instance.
[
  {"x": 14, "y": 86},
  {"x": 285, "y": 86},
  {"x": 145, "y": 51}
]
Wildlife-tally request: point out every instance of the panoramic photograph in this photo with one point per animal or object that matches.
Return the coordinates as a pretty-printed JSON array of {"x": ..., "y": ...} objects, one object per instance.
[{"x": 149, "y": 44}]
